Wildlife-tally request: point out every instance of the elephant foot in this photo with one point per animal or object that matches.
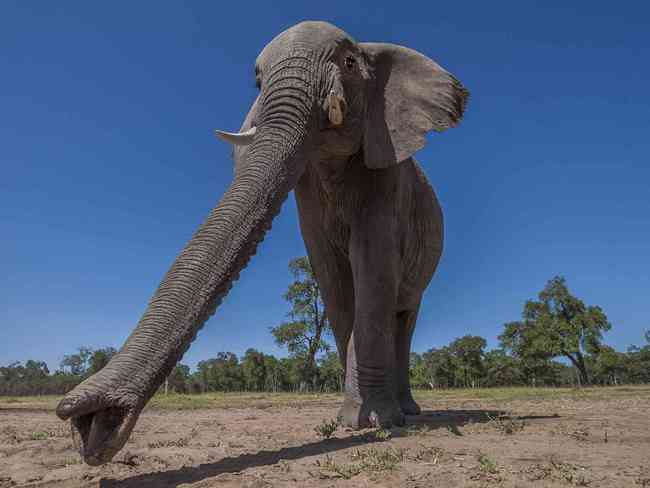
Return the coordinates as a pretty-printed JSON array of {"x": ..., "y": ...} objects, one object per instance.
[
  {"x": 377, "y": 411},
  {"x": 408, "y": 405}
]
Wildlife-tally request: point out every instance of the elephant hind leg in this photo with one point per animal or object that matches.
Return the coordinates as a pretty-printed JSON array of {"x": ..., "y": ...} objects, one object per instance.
[{"x": 403, "y": 335}]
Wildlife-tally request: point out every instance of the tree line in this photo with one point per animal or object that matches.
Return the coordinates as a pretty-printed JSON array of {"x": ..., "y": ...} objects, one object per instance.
[
  {"x": 557, "y": 342},
  {"x": 254, "y": 371},
  {"x": 34, "y": 377}
]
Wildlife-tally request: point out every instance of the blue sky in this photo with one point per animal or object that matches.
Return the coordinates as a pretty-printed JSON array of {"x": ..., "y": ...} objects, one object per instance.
[{"x": 108, "y": 161}]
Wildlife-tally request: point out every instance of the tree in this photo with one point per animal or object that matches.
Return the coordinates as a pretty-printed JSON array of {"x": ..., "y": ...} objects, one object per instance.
[
  {"x": 293, "y": 372},
  {"x": 254, "y": 370},
  {"x": 609, "y": 366},
  {"x": 276, "y": 374},
  {"x": 62, "y": 382},
  {"x": 36, "y": 376},
  {"x": 179, "y": 379},
  {"x": 99, "y": 358},
  {"x": 638, "y": 362},
  {"x": 304, "y": 334},
  {"x": 467, "y": 352},
  {"x": 87, "y": 361},
  {"x": 418, "y": 371},
  {"x": 10, "y": 376},
  {"x": 332, "y": 376},
  {"x": 502, "y": 369},
  {"x": 439, "y": 368},
  {"x": 78, "y": 363},
  {"x": 559, "y": 324},
  {"x": 222, "y": 373}
]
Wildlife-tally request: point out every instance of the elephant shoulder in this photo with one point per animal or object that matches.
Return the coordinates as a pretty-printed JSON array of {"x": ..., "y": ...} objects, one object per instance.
[
  {"x": 422, "y": 192},
  {"x": 418, "y": 178}
]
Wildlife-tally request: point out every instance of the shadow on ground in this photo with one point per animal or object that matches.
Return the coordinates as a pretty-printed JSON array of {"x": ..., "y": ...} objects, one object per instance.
[
  {"x": 452, "y": 419},
  {"x": 449, "y": 419}
]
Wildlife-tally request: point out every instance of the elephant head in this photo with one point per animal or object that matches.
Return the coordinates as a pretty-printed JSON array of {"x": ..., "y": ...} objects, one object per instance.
[{"x": 322, "y": 95}]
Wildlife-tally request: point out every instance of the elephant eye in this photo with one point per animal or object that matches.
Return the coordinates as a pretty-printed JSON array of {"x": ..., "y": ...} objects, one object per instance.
[{"x": 350, "y": 62}]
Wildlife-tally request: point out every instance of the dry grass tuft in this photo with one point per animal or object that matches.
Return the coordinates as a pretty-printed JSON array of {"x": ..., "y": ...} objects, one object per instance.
[
  {"x": 326, "y": 428},
  {"x": 507, "y": 423},
  {"x": 370, "y": 460}
]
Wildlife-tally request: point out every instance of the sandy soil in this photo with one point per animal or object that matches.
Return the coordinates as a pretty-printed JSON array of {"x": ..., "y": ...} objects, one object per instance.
[{"x": 458, "y": 442}]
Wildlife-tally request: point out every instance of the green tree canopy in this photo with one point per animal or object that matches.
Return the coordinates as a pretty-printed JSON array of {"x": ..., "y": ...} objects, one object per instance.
[
  {"x": 439, "y": 368},
  {"x": 608, "y": 366},
  {"x": 222, "y": 373},
  {"x": 254, "y": 370},
  {"x": 467, "y": 353},
  {"x": 87, "y": 361},
  {"x": 99, "y": 358},
  {"x": 558, "y": 324},
  {"x": 77, "y": 364},
  {"x": 304, "y": 334},
  {"x": 502, "y": 369},
  {"x": 179, "y": 379},
  {"x": 332, "y": 376}
]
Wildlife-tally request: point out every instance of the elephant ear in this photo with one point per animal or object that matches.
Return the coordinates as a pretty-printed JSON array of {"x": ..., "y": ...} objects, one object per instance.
[{"x": 409, "y": 95}]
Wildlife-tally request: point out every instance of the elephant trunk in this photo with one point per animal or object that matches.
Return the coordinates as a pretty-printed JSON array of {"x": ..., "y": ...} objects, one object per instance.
[{"x": 104, "y": 407}]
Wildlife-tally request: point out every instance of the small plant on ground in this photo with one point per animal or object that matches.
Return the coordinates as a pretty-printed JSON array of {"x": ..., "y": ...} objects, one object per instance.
[
  {"x": 373, "y": 459},
  {"x": 487, "y": 465},
  {"x": 382, "y": 434},
  {"x": 507, "y": 424},
  {"x": 370, "y": 461},
  {"x": 488, "y": 470},
  {"x": 284, "y": 466},
  {"x": 39, "y": 436},
  {"x": 181, "y": 442},
  {"x": 560, "y": 471},
  {"x": 428, "y": 454},
  {"x": 327, "y": 428},
  {"x": 71, "y": 460},
  {"x": 330, "y": 468},
  {"x": 570, "y": 473}
]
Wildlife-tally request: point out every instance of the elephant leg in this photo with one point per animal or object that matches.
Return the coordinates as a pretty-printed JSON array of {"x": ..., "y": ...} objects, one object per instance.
[
  {"x": 341, "y": 316},
  {"x": 331, "y": 267},
  {"x": 369, "y": 390},
  {"x": 403, "y": 336},
  {"x": 334, "y": 277}
]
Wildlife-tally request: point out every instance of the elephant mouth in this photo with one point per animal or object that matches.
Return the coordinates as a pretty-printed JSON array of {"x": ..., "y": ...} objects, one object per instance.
[{"x": 103, "y": 433}]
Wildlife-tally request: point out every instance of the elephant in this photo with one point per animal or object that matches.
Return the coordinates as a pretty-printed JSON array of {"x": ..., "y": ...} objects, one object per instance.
[{"x": 338, "y": 122}]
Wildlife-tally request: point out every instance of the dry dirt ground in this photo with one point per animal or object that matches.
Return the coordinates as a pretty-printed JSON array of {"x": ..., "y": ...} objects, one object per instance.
[{"x": 480, "y": 438}]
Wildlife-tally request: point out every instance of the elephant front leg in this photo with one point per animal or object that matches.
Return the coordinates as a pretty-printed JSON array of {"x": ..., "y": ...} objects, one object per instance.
[
  {"x": 404, "y": 334},
  {"x": 369, "y": 382},
  {"x": 369, "y": 398}
]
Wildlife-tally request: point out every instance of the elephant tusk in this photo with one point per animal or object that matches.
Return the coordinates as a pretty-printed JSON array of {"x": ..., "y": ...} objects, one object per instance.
[
  {"x": 335, "y": 108},
  {"x": 237, "y": 138}
]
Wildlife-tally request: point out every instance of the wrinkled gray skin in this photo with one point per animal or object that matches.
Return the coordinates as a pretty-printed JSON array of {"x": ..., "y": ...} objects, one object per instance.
[{"x": 337, "y": 121}]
